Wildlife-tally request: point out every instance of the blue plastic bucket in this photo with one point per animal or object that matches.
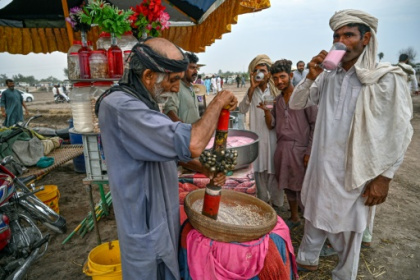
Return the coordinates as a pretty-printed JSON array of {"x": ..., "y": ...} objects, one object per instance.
[{"x": 76, "y": 138}]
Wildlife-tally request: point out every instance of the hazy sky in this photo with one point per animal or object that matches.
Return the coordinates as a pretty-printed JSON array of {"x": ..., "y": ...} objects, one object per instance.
[{"x": 292, "y": 29}]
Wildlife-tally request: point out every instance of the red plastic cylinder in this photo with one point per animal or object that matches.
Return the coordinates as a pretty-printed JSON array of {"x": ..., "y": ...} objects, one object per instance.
[
  {"x": 211, "y": 202},
  {"x": 223, "y": 123}
]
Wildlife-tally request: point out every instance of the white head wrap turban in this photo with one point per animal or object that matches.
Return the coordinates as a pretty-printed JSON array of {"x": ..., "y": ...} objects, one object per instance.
[
  {"x": 383, "y": 108},
  {"x": 345, "y": 17},
  {"x": 263, "y": 59}
]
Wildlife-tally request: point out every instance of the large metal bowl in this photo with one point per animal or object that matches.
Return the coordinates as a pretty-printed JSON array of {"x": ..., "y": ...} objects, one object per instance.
[{"x": 246, "y": 153}]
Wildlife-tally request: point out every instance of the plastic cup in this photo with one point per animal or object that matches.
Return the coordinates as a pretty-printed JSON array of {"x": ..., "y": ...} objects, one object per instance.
[
  {"x": 259, "y": 76},
  {"x": 334, "y": 57},
  {"x": 269, "y": 101}
]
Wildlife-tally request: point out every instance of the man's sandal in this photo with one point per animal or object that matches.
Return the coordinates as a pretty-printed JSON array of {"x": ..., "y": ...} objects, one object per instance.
[
  {"x": 366, "y": 245},
  {"x": 306, "y": 268},
  {"x": 327, "y": 250},
  {"x": 291, "y": 225}
]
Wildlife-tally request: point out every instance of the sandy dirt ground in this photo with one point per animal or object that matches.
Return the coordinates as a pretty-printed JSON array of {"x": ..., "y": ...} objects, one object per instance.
[{"x": 395, "y": 253}]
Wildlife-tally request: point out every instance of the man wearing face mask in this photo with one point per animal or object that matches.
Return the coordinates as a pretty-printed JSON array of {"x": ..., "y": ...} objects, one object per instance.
[
  {"x": 142, "y": 147},
  {"x": 263, "y": 165},
  {"x": 183, "y": 106},
  {"x": 362, "y": 133}
]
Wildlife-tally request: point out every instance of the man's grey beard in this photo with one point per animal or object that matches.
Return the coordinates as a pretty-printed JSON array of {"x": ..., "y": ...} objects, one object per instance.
[{"x": 159, "y": 95}]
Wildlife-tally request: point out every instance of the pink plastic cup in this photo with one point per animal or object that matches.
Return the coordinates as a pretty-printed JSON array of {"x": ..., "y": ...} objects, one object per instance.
[{"x": 334, "y": 57}]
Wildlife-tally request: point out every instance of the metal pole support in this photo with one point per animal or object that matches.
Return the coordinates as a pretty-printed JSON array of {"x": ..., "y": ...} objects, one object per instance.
[{"x": 92, "y": 206}]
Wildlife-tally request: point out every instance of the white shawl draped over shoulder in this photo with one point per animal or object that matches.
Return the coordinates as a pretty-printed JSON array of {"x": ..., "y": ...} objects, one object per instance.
[{"x": 381, "y": 130}]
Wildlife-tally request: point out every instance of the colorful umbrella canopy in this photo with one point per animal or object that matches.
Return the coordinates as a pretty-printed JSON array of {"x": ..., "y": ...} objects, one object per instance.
[{"x": 39, "y": 26}]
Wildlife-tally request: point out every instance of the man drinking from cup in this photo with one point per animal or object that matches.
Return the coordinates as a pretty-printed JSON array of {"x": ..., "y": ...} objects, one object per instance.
[
  {"x": 262, "y": 85},
  {"x": 353, "y": 159}
]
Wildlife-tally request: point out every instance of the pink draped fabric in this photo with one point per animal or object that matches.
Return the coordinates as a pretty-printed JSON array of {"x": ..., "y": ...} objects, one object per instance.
[{"x": 212, "y": 260}]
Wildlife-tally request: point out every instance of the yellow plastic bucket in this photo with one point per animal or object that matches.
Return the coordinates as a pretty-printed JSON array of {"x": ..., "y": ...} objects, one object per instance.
[
  {"x": 104, "y": 262},
  {"x": 50, "y": 196}
]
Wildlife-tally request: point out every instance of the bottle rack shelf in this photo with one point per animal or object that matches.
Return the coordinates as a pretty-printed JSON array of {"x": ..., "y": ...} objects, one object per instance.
[{"x": 95, "y": 80}]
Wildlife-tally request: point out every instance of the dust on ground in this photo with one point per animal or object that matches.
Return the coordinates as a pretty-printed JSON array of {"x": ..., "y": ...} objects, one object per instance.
[{"x": 395, "y": 252}]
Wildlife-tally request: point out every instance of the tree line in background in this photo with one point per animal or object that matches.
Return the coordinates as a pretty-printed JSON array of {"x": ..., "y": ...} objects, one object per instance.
[
  {"x": 232, "y": 74},
  {"x": 408, "y": 51},
  {"x": 30, "y": 80}
]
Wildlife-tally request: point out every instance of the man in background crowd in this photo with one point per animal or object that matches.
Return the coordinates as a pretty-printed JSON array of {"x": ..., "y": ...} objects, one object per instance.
[
  {"x": 213, "y": 84},
  {"x": 300, "y": 73},
  {"x": 207, "y": 83},
  {"x": 243, "y": 81},
  {"x": 57, "y": 90},
  {"x": 219, "y": 83},
  {"x": 11, "y": 105},
  {"x": 199, "y": 81},
  {"x": 183, "y": 106},
  {"x": 403, "y": 62}
]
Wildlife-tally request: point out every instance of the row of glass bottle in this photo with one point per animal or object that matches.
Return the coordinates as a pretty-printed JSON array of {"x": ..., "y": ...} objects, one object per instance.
[
  {"x": 83, "y": 99},
  {"x": 105, "y": 62}
]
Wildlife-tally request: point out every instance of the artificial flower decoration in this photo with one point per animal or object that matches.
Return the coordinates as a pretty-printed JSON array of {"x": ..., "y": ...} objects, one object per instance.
[
  {"x": 109, "y": 18},
  {"x": 75, "y": 19},
  {"x": 149, "y": 18}
]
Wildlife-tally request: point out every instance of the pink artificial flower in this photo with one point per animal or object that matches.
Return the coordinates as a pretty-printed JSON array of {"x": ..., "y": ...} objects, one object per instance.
[
  {"x": 149, "y": 27},
  {"x": 164, "y": 20},
  {"x": 164, "y": 16}
]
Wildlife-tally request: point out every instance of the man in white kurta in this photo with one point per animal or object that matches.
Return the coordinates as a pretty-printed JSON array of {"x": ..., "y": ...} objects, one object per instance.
[
  {"x": 219, "y": 83},
  {"x": 264, "y": 172},
  {"x": 352, "y": 159},
  {"x": 213, "y": 84}
]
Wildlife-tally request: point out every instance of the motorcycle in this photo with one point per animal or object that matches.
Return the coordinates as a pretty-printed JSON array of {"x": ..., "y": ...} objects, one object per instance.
[
  {"x": 21, "y": 241},
  {"x": 59, "y": 99}
]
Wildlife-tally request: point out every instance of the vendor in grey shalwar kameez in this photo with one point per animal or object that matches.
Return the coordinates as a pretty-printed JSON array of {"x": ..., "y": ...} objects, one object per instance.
[
  {"x": 362, "y": 133},
  {"x": 11, "y": 105},
  {"x": 142, "y": 147}
]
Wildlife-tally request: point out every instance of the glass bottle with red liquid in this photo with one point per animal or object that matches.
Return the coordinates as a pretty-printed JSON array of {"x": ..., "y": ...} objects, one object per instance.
[
  {"x": 103, "y": 42},
  {"x": 84, "y": 54},
  {"x": 115, "y": 59}
]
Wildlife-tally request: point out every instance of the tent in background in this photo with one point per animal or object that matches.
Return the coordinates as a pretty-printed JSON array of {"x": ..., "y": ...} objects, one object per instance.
[{"x": 39, "y": 26}]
